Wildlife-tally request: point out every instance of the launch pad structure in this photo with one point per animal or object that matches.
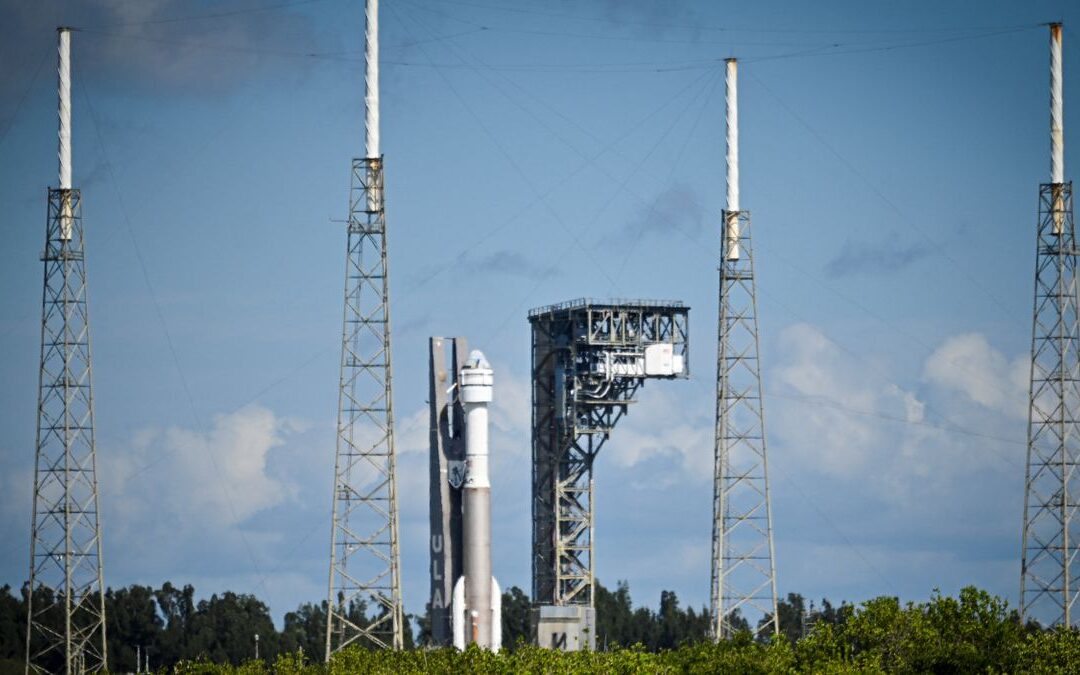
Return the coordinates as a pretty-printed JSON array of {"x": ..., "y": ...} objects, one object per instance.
[{"x": 589, "y": 358}]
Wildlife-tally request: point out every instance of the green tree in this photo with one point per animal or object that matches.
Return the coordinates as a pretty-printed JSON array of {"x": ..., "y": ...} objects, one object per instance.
[
  {"x": 304, "y": 631},
  {"x": 614, "y": 616},
  {"x": 133, "y": 625},
  {"x": 177, "y": 609},
  {"x": 223, "y": 629},
  {"x": 792, "y": 613},
  {"x": 12, "y": 632},
  {"x": 516, "y": 608}
]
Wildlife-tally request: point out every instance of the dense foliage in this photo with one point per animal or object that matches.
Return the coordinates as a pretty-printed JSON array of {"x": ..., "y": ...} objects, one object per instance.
[
  {"x": 169, "y": 626},
  {"x": 974, "y": 632}
]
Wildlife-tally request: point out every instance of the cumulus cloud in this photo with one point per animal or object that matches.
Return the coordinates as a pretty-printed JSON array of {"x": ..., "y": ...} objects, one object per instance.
[
  {"x": 968, "y": 364},
  {"x": 901, "y": 446},
  {"x": 661, "y": 426},
  {"x": 211, "y": 480},
  {"x": 826, "y": 397}
]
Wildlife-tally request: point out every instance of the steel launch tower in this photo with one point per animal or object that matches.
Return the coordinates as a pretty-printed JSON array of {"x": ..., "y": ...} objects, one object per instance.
[
  {"x": 588, "y": 360},
  {"x": 365, "y": 562},
  {"x": 743, "y": 570},
  {"x": 1050, "y": 555},
  {"x": 66, "y": 615}
]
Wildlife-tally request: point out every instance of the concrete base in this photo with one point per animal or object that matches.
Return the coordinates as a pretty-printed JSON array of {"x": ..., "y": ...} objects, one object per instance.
[{"x": 568, "y": 628}]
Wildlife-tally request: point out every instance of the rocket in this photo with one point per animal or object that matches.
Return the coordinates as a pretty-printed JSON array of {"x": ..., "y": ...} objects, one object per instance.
[
  {"x": 476, "y": 604},
  {"x": 463, "y": 485}
]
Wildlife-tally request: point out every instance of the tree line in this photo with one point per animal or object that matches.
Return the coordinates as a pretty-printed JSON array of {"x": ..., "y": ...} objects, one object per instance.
[{"x": 169, "y": 626}]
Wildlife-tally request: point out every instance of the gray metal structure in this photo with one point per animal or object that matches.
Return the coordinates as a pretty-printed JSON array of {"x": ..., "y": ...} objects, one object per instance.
[
  {"x": 447, "y": 437},
  {"x": 365, "y": 562},
  {"x": 588, "y": 360},
  {"x": 364, "y": 555},
  {"x": 743, "y": 571},
  {"x": 1050, "y": 554},
  {"x": 65, "y": 629},
  {"x": 1050, "y": 568}
]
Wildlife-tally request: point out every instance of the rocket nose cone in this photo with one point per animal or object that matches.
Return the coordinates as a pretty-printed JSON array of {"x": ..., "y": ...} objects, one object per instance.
[{"x": 477, "y": 360}]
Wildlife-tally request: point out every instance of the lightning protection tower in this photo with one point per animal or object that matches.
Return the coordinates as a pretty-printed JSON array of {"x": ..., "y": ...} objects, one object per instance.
[
  {"x": 1049, "y": 587},
  {"x": 743, "y": 570},
  {"x": 364, "y": 557},
  {"x": 65, "y": 630}
]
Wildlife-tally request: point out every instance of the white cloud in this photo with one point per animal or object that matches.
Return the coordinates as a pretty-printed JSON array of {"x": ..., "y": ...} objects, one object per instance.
[
  {"x": 968, "y": 364},
  {"x": 511, "y": 412},
  {"x": 216, "y": 477},
  {"x": 828, "y": 409},
  {"x": 837, "y": 417}
]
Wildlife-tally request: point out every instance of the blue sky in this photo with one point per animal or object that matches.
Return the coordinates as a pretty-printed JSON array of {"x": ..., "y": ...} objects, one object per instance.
[{"x": 536, "y": 152}]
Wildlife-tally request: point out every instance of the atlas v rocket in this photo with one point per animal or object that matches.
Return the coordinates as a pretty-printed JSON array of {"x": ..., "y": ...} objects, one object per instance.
[{"x": 461, "y": 504}]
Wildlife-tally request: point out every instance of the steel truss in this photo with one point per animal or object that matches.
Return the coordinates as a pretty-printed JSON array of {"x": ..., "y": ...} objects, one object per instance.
[
  {"x": 364, "y": 555},
  {"x": 66, "y": 623},
  {"x": 577, "y": 348},
  {"x": 743, "y": 570},
  {"x": 1051, "y": 533}
]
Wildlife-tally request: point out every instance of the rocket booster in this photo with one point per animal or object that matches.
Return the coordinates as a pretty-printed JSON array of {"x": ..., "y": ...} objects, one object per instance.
[{"x": 477, "y": 603}]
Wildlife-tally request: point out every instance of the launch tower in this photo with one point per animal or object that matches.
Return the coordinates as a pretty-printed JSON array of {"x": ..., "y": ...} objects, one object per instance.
[{"x": 588, "y": 360}]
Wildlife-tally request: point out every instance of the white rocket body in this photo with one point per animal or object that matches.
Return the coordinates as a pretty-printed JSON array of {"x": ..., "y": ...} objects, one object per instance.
[{"x": 477, "y": 606}]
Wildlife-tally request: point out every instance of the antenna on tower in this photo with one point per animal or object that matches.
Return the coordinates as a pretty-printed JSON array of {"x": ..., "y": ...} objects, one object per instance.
[
  {"x": 743, "y": 570},
  {"x": 365, "y": 560},
  {"x": 1050, "y": 551},
  {"x": 65, "y": 629}
]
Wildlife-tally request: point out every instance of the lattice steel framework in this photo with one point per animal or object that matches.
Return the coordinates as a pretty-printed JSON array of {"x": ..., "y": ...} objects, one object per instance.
[
  {"x": 1051, "y": 532},
  {"x": 364, "y": 557},
  {"x": 66, "y": 622},
  {"x": 743, "y": 572},
  {"x": 585, "y": 373}
]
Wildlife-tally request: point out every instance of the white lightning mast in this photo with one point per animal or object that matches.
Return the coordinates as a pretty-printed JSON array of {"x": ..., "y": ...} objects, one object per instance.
[
  {"x": 66, "y": 607},
  {"x": 743, "y": 570},
  {"x": 1050, "y": 552},
  {"x": 365, "y": 561}
]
